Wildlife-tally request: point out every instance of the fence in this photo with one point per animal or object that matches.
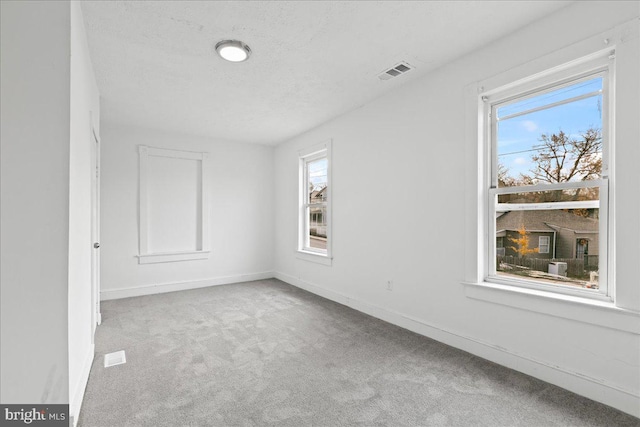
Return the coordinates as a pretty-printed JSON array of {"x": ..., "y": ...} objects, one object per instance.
[
  {"x": 575, "y": 267},
  {"x": 591, "y": 262},
  {"x": 318, "y": 230}
]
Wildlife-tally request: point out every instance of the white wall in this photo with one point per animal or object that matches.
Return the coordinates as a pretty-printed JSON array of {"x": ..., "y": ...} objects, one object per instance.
[
  {"x": 34, "y": 141},
  {"x": 241, "y": 214},
  {"x": 408, "y": 152},
  {"x": 85, "y": 108},
  {"x": 174, "y": 204}
]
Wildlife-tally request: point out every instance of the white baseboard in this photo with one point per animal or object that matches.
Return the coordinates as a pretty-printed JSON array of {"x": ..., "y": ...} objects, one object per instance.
[
  {"x": 136, "y": 291},
  {"x": 80, "y": 387},
  {"x": 592, "y": 388}
]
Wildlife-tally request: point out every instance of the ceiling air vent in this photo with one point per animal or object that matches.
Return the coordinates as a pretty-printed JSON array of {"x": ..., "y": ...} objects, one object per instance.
[{"x": 395, "y": 71}]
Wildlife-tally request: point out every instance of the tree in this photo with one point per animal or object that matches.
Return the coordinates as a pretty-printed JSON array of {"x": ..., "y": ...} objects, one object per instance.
[
  {"x": 504, "y": 179},
  {"x": 522, "y": 243},
  {"x": 562, "y": 158}
]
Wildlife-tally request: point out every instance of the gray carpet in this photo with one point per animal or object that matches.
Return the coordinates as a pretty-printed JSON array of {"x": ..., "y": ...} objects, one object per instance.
[{"x": 265, "y": 353}]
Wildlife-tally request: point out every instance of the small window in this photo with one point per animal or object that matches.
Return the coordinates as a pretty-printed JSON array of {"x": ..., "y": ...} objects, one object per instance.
[
  {"x": 548, "y": 145},
  {"x": 543, "y": 244},
  {"x": 315, "y": 215}
]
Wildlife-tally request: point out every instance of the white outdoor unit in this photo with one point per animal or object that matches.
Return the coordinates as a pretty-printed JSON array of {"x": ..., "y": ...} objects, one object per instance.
[{"x": 558, "y": 268}]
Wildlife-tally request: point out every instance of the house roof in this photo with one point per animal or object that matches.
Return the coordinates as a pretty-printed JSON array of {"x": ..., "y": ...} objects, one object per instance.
[
  {"x": 545, "y": 221},
  {"x": 318, "y": 194}
]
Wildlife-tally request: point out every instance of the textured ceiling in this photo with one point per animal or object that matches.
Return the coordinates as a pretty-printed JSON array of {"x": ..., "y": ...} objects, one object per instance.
[{"x": 311, "y": 61}]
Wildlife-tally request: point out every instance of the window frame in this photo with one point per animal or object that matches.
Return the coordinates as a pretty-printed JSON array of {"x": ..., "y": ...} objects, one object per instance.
[
  {"x": 540, "y": 244},
  {"x": 598, "y": 64},
  {"x": 620, "y": 313},
  {"x": 144, "y": 255},
  {"x": 305, "y": 251}
]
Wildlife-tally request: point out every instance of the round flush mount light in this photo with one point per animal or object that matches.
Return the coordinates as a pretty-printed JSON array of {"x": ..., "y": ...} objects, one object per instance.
[{"x": 233, "y": 50}]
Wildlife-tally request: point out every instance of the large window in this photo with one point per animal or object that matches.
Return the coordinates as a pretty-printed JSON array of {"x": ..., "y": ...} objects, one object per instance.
[
  {"x": 548, "y": 145},
  {"x": 315, "y": 213}
]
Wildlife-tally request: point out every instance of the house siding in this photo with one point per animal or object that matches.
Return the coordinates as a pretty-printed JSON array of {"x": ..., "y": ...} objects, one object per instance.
[
  {"x": 567, "y": 243},
  {"x": 534, "y": 237}
]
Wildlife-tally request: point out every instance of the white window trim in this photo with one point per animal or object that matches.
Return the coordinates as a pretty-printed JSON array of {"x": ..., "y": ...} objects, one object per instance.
[
  {"x": 476, "y": 161},
  {"x": 303, "y": 253},
  {"x": 586, "y": 310},
  {"x": 600, "y": 63},
  {"x": 146, "y": 257},
  {"x": 547, "y": 244}
]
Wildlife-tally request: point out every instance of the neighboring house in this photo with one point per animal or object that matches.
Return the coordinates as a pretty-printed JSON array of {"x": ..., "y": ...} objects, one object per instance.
[
  {"x": 318, "y": 224},
  {"x": 556, "y": 233},
  {"x": 318, "y": 196}
]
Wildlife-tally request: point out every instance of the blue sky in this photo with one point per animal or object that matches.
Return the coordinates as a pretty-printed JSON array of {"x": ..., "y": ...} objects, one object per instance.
[
  {"x": 318, "y": 173},
  {"x": 519, "y": 136}
]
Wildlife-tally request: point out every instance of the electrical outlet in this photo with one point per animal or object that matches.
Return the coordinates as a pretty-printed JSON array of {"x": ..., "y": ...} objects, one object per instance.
[{"x": 389, "y": 285}]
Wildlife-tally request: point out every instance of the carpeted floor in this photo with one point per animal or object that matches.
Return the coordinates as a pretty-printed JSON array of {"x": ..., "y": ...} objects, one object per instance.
[{"x": 265, "y": 353}]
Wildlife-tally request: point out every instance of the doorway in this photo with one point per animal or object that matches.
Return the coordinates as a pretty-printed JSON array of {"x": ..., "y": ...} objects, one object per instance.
[{"x": 582, "y": 248}]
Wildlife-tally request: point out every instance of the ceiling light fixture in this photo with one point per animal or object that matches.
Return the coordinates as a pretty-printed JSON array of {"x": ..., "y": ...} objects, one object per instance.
[{"x": 233, "y": 50}]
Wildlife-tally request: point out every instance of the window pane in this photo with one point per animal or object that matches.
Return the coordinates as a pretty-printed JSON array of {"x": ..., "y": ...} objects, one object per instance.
[
  {"x": 558, "y": 95},
  {"x": 318, "y": 228},
  {"x": 317, "y": 179},
  {"x": 537, "y": 142},
  {"x": 543, "y": 244},
  {"x": 558, "y": 247}
]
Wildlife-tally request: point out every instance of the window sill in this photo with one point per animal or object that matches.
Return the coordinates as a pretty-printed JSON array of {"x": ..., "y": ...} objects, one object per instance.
[
  {"x": 172, "y": 257},
  {"x": 314, "y": 257},
  {"x": 600, "y": 313}
]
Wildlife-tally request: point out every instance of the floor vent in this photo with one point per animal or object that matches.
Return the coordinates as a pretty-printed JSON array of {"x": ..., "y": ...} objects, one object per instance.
[
  {"x": 115, "y": 358},
  {"x": 395, "y": 71}
]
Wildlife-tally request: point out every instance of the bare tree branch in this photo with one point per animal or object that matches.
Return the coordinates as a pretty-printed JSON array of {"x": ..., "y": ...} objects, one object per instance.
[{"x": 582, "y": 157}]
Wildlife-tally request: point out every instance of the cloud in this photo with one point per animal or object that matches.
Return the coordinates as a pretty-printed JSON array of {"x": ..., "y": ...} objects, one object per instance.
[
  {"x": 520, "y": 161},
  {"x": 529, "y": 125}
]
